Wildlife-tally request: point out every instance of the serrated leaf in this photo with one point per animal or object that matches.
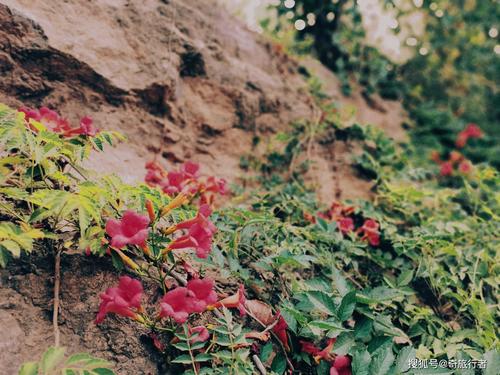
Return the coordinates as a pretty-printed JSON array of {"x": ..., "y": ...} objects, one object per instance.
[
  {"x": 344, "y": 343},
  {"x": 184, "y": 358},
  {"x": 403, "y": 359},
  {"x": 102, "y": 371},
  {"x": 405, "y": 278},
  {"x": 266, "y": 351},
  {"x": 322, "y": 302},
  {"x": 51, "y": 358},
  {"x": 493, "y": 362},
  {"x": 361, "y": 362},
  {"x": 339, "y": 282},
  {"x": 29, "y": 368},
  {"x": 279, "y": 364},
  {"x": 12, "y": 247},
  {"x": 347, "y": 306},
  {"x": 203, "y": 357},
  {"x": 381, "y": 362}
]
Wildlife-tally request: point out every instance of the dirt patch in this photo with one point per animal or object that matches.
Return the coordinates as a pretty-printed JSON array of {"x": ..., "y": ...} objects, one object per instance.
[{"x": 26, "y": 310}]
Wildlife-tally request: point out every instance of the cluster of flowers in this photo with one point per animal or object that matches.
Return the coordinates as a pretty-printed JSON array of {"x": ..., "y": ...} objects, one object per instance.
[
  {"x": 197, "y": 296},
  {"x": 343, "y": 216},
  {"x": 456, "y": 161},
  {"x": 186, "y": 179},
  {"x": 179, "y": 303},
  {"x": 57, "y": 124},
  {"x": 340, "y": 364},
  {"x": 133, "y": 229}
]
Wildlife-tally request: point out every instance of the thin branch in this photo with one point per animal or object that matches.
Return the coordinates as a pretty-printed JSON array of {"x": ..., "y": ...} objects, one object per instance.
[
  {"x": 259, "y": 364},
  {"x": 57, "y": 286}
]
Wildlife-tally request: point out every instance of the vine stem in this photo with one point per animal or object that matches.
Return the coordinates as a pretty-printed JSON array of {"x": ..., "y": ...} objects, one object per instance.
[
  {"x": 259, "y": 364},
  {"x": 57, "y": 286},
  {"x": 193, "y": 362}
]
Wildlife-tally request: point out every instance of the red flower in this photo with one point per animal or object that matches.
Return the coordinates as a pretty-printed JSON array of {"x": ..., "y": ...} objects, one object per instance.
[
  {"x": 310, "y": 218},
  {"x": 280, "y": 330},
  {"x": 309, "y": 348},
  {"x": 371, "y": 232},
  {"x": 173, "y": 184},
  {"x": 235, "y": 301},
  {"x": 455, "y": 157},
  {"x": 182, "y": 301},
  {"x": 341, "y": 365},
  {"x": 446, "y": 169},
  {"x": 49, "y": 118},
  {"x": 326, "y": 352},
  {"x": 190, "y": 170},
  {"x": 465, "y": 166},
  {"x": 461, "y": 140},
  {"x": 55, "y": 123},
  {"x": 87, "y": 127},
  {"x": 346, "y": 225},
  {"x": 435, "y": 157},
  {"x": 201, "y": 219},
  {"x": 317, "y": 353},
  {"x": 121, "y": 300},
  {"x": 471, "y": 131},
  {"x": 156, "y": 342},
  {"x": 199, "y": 233},
  {"x": 131, "y": 229},
  {"x": 201, "y": 332}
]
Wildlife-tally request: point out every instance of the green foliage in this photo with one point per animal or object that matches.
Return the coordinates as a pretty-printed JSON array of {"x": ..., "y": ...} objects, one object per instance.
[
  {"x": 44, "y": 192},
  {"x": 455, "y": 83},
  {"x": 449, "y": 80},
  {"x": 428, "y": 289},
  {"x": 54, "y": 362},
  {"x": 334, "y": 33},
  {"x": 226, "y": 353}
]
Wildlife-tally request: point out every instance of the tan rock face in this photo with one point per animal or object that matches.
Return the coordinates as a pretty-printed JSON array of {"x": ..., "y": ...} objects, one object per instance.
[
  {"x": 177, "y": 77},
  {"x": 150, "y": 69}
]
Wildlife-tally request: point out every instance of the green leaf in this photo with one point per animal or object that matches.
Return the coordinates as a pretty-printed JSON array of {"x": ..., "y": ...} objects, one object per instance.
[
  {"x": 405, "y": 278},
  {"x": 363, "y": 328},
  {"x": 381, "y": 362},
  {"x": 347, "y": 306},
  {"x": 203, "y": 357},
  {"x": 322, "y": 302},
  {"x": 51, "y": 358},
  {"x": 12, "y": 247},
  {"x": 4, "y": 257},
  {"x": 78, "y": 357},
  {"x": 279, "y": 364},
  {"x": 29, "y": 368},
  {"x": 102, "y": 371},
  {"x": 344, "y": 343},
  {"x": 361, "y": 362},
  {"x": 339, "y": 282},
  {"x": 404, "y": 357},
  {"x": 266, "y": 351},
  {"x": 328, "y": 324},
  {"x": 185, "y": 359},
  {"x": 493, "y": 362}
]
